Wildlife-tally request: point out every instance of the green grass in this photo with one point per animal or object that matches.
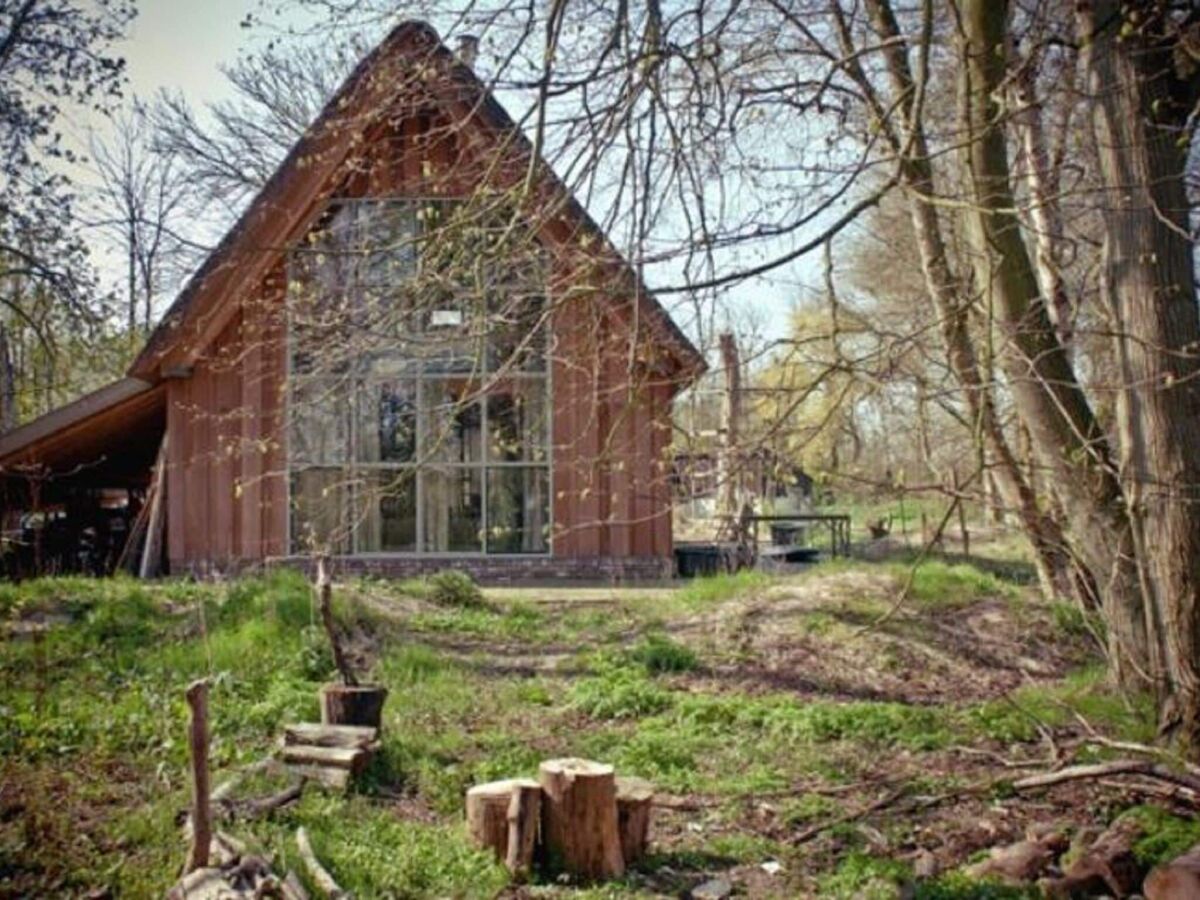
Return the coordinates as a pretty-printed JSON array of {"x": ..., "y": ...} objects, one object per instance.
[
  {"x": 93, "y": 729},
  {"x": 713, "y": 589}
]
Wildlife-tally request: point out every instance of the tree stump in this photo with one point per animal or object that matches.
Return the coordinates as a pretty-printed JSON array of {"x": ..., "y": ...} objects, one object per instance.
[
  {"x": 488, "y": 819},
  {"x": 579, "y": 817},
  {"x": 359, "y": 704},
  {"x": 524, "y": 823},
  {"x": 634, "y": 798}
]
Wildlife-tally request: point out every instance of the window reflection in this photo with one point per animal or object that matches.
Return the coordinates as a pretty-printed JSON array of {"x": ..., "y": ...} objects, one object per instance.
[{"x": 418, "y": 408}]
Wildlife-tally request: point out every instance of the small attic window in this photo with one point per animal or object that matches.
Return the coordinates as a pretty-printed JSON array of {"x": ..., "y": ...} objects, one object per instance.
[{"x": 446, "y": 318}]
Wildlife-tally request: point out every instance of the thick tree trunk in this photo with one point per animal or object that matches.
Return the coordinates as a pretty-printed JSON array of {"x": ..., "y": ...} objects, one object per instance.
[
  {"x": 1067, "y": 439},
  {"x": 1151, "y": 285}
]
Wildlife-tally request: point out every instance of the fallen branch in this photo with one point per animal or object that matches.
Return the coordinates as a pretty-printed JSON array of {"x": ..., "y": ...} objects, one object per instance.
[
  {"x": 1104, "y": 770},
  {"x": 809, "y": 833},
  {"x": 317, "y": 872}
]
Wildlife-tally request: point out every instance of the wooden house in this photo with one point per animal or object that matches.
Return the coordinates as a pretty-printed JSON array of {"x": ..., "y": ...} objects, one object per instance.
[{"x": 414, "y": 350}]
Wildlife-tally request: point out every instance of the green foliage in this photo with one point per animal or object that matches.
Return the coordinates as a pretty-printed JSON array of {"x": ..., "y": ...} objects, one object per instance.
[
  {"x": 449, "y": 587},
  {"x": 958, "y": 886},
  {"x": 659, "y": 654},
  {"x": 618, "y": 692},
  {"x": 864, "y": 877},
  {"x": 712, "y": 589},
  {"x": 1085, "y": 693},
  {"x": 941, "y": 585},
  {"x": 371, "y": 852},
  {"x": 1165, "y": 836}
]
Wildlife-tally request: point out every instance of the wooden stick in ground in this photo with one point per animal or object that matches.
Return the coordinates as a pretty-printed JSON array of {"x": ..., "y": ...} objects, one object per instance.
[
  {"x": 324, "y": 588},
  {"x": 524, "y": 819},
  {"x": 197, "y": 699},
  {"x": 318, "y": 873},
  {"x": 579, "y": 817}
]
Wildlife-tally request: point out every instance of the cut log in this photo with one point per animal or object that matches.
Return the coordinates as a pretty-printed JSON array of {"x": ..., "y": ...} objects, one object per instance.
[
  {"x": 333, "y": 779},
  {"x": 524, "y": 822},
  {"x": 359, "y": 704},
  {"x": 352, "y": 759},
  {"x": 330, "y": 735},
  {"x": 579, "y": 817},
  {"x": 201, "y": 818},
  {"x": 1177, "y": 880},
  {"x": 635, "y": 798},
  {"x": 487, "y": 813}
]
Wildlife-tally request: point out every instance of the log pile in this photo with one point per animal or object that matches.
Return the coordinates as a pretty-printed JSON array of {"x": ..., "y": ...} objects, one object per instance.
[
  {"x": 577, "y": 816},
  {"x": 331, "y": 755}
]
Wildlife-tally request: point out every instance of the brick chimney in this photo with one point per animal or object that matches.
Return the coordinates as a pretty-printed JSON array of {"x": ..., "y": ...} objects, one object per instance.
[{"x": 468, "y": 50}]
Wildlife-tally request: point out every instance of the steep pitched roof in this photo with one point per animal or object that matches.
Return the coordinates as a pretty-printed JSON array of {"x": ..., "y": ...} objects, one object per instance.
[{"x": 277, "y": 213}]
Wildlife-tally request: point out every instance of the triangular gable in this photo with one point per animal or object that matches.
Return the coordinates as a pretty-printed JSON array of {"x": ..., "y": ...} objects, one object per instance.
[{"x": 291, "y": 199}]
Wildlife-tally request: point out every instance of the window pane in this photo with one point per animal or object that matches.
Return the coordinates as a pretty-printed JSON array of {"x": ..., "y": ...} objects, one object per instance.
[
  {"x": 451, "y": 422},
  {"x": 388, "y": 523},
  {"x": 321, "y": 515},
  {"x": 517, "y": 425},
  {"x": 319, "y": 433},
  {"x": 517, "y": 330},
  {"x": 453, "y": 507},
  {"x": 387, "y": 421},
  {"x": 518, "y": 510}
]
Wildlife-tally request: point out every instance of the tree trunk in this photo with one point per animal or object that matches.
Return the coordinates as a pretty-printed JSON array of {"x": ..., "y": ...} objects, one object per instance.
[
  {"x": 1140, "y": 111},
  {"x": 949, "y": 294},
  {"x": 579, "y": 817},
  {"x": 1067, "y": 439}
]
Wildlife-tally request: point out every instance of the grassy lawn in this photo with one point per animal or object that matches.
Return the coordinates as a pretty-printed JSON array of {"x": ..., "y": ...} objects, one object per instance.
[{"x": 760, "y": 707}]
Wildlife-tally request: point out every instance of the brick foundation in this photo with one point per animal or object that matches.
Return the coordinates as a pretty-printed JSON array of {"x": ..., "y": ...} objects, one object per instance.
[{"x": 503, "y": 570}]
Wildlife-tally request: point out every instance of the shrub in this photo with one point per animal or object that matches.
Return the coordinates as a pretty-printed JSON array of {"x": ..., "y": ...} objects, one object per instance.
[
  {"x": 659, "y": 654},
  {"x": 451, "y": 587}
]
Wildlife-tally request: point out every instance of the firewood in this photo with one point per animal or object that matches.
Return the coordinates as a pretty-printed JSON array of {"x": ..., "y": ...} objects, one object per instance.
[
  {"x": 351, "y": 759},
  {"x": 1017, "y": 863},
  {"x": 487, "y": 813},
  {"x": 318, "y": 873},
  {"x": 292, "y": 889},
  {"x": 1177, "y": 880},
  {"x": 579, "y": 817},
  {"x": 635, "y": 797},
  {"x": 320, "y": 735},
  {"x": 201, "y": 817},
  {"x": 524, "y": 821}
]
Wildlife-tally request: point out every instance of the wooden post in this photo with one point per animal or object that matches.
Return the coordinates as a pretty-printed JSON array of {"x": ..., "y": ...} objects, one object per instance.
[
  {"x": 729, "y": 465},
  {"x": 489, "y": 823},
  {"x": 634, "y": 798},
  {"x": 579, "y": 817},
  {"x": 197, "y": 699},
  {"x": 324, "y": 588},
  {"x": 152, "y": 548}
]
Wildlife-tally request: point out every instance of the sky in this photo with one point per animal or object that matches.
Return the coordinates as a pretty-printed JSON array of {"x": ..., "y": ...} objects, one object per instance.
[{"x": 180, "y": 45}]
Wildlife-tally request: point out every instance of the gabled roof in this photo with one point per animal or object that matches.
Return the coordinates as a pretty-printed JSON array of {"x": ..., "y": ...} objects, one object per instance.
[{"x": 278, "y": 212}]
